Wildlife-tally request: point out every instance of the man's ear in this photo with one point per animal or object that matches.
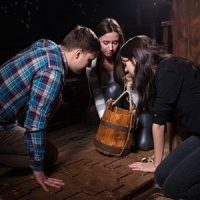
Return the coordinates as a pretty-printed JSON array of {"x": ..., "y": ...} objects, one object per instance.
[{"x": 78, "y": 52}]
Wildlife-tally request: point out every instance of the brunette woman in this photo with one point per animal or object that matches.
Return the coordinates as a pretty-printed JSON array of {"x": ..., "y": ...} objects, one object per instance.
[
  {"x": 106, "y": 79},
  {"x": 168, "y": 88}
]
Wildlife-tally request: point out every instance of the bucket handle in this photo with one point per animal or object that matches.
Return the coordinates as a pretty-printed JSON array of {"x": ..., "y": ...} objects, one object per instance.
[
  {"x": 127, "y": 89},
  {"x": 128, "y": 85}
]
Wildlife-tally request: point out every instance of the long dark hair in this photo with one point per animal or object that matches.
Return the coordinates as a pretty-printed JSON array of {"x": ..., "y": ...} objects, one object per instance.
[
  {"x": 109, "y": 25},
  {"x": 147, "y": 55}
]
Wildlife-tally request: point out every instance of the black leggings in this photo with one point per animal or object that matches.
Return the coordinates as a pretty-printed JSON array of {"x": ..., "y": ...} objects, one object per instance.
[
  {"x": 179, "y": 173},
  {"x": 143, "y": 133}
]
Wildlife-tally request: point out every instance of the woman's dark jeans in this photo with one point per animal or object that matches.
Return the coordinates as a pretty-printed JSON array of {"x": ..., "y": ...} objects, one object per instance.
[{"x": 179, "y": 173}]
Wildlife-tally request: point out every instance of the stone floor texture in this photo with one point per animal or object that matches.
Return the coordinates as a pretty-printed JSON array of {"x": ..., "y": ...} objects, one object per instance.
[{"x": 87, "y": 173}]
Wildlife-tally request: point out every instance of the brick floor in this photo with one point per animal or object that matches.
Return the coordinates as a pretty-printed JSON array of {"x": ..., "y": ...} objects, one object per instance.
[
  {"x": 87, "y": 176},
  {"x": 87, "y": 173}
]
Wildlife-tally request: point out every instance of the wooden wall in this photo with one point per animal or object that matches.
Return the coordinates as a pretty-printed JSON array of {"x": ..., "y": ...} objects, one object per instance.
[{"x": 186, "y": 28}]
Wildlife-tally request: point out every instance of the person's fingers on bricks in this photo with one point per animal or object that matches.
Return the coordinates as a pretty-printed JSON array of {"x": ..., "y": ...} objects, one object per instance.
[
  {"x": 43, "y": 184},
  {"x": 135, "y": 164},
  {"x": 44, "y": 187},
  {"x": 146, "y": 167},
  {"x": 54, "y": 182}
]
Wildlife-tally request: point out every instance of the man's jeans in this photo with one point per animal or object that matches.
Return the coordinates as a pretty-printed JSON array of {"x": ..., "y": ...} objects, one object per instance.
[{"x": 13, "y": 153}]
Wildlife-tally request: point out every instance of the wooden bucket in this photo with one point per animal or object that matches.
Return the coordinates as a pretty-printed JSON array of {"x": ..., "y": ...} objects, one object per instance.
[{"x": 114, "y": 135}]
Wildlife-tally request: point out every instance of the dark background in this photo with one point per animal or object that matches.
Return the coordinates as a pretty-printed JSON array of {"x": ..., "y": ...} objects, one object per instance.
[
  {"x": 25, "y": 21},
  {"x": 22, "y": 21}
]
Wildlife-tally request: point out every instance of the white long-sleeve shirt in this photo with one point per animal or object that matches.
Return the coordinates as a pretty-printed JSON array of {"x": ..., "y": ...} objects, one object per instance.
[{"x": 97, "y": 87}]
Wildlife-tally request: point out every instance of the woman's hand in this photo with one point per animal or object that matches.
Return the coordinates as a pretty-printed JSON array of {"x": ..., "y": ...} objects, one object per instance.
[
  {"x": 143, "y": 166},
  {"x": 45, "y": 181},
  {"x": 149, "y": 165}
]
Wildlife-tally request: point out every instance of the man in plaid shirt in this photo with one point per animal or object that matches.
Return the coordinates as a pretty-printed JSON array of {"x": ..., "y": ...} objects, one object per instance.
[{"x": 32, "y": 82}]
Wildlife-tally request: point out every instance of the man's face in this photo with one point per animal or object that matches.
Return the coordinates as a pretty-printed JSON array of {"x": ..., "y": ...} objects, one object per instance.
[{"x": 82, "y": 60}]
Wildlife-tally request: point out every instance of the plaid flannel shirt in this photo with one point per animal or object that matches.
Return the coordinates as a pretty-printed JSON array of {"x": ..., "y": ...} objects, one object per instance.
[{"x": 30, "y": 82}]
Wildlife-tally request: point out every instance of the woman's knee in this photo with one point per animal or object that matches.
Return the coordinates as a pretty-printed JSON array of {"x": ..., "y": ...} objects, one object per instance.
[
  {"x": 113, "y": 90},
  {"x": 173, "y": 190},
  {"x": 158, "y": 178},
  {"x": 162, "y": 173},
  {"x": 143, "y": 132}
]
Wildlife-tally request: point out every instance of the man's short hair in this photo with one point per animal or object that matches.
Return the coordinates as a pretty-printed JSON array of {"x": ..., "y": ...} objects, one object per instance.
[{"x": 81, "y": 37}]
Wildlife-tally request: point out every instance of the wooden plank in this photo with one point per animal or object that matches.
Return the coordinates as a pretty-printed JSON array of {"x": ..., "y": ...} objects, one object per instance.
[
  {"x": 186, "y": 28},
  {"x": 87, "y": 173}
]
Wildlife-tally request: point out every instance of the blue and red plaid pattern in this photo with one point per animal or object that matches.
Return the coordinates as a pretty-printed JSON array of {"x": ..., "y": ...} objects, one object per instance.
[{"x": 30, "y": 82}]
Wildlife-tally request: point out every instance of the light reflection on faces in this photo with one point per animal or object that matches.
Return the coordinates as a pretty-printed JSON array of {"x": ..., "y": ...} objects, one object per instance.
[
  {"x": 83, "y": 60},
  {"x": 129, "y": 65},
  {"x": 109, "y": 43}
]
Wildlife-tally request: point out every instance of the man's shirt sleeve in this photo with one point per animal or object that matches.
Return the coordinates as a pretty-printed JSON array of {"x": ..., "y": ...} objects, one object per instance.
[{"x": 46, "y": 87}]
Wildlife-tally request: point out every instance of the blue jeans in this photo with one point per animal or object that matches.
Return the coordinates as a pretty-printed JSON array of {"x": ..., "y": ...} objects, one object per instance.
[{"x": 179, "y": 173}]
